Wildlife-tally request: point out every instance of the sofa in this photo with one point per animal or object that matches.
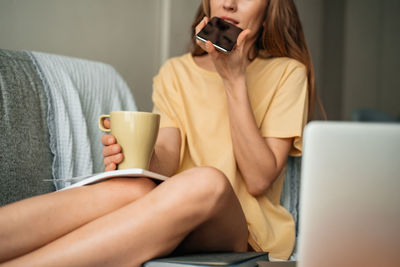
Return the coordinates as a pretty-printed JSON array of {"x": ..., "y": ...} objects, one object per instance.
[{"x": 49, "y": 105}]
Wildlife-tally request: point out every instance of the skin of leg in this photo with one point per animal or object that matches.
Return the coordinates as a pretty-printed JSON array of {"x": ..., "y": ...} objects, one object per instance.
[
  {"x": 216, "y": 233},
  {"x": 31, "y": 223},
  {"x": 154, "y": 226}
]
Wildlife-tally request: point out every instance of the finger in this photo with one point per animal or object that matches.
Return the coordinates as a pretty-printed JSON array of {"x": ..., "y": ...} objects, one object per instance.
[
  {"x": 111, "y": 150},
  {"x": 201, "y": 25},
  {"x": 243, "y": 36},
  {"x": 110, "y": 167},
  {"x": 201, "y": 44},
  {"x": 106, "y": 123},
  {"x": 116, "y": 159},
  {"x": 210, "y": 49},
  {"x": 198, "y": 28},
  {"x": 108, "y": 139}
]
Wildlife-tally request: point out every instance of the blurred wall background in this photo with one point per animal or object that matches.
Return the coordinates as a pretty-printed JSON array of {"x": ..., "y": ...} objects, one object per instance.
[{"x": 354, "y": 43}]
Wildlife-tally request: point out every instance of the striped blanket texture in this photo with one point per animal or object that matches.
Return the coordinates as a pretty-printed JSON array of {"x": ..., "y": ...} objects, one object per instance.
[{"x": 78, "y": 92}]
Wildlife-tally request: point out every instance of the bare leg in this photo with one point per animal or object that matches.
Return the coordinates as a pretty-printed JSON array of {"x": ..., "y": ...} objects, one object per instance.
[
  {"x": 29, "y": 224},
  {"x": 154, "y": 225}
]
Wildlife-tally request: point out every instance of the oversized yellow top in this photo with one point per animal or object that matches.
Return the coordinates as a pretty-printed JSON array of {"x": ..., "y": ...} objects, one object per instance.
[{"x": 193, "y": 99}]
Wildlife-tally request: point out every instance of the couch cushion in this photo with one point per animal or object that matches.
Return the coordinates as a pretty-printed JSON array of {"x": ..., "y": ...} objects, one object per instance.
[{"x": 25, "y": 157}]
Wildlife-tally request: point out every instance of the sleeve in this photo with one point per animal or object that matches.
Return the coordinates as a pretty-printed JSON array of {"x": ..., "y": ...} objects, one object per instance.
[
  {"x": 287, "y": 114},
  {"x": 165, "y": 98}
]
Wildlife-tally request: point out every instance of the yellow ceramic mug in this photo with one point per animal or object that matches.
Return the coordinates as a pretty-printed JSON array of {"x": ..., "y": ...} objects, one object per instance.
[{"x": 136, "y": 133}]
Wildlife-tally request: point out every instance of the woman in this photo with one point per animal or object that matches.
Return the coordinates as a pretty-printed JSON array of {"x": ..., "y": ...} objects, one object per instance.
[{"x": 240, "y": 113}]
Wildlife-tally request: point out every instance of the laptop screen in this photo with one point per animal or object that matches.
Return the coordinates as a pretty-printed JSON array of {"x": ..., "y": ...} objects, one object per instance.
[{"x": 350, "y": 195}]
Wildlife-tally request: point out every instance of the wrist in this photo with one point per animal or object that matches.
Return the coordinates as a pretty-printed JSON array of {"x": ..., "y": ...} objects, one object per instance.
[
  {"x": 237, "y": 99},
  {"x": 235, "y": 83}
]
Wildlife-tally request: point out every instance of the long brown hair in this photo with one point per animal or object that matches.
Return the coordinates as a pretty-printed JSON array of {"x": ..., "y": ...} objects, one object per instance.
[{"x": 281, "y": 35}]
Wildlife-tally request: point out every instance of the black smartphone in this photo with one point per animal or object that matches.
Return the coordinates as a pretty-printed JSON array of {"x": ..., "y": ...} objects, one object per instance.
[{"x": 221, "y": 33}]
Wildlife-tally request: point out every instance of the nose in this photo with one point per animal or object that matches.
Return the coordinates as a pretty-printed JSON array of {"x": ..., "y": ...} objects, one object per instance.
[{"x": 230, "y": 5}]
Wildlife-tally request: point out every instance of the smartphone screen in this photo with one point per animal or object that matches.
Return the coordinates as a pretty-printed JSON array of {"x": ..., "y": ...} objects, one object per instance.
[{"x": 221, "y": 33}]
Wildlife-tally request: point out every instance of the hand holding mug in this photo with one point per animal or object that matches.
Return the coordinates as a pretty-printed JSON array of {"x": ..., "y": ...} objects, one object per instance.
[
  {"x": 112, "y": 151},
  {"x": 136, "y": 134}
]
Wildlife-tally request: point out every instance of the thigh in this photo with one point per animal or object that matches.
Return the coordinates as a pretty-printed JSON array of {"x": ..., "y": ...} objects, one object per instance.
[
  {"x": 225, "y": 230},
  {"x": 195, "y": 210},
  {"x": 34, "y": 222}
]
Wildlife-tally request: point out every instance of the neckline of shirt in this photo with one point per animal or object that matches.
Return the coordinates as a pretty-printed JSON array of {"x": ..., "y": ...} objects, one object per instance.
[{"x": 214, "y": 73}]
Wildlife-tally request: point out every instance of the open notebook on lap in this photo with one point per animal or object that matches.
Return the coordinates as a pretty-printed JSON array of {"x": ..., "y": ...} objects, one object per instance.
[{"x": 350, "y": 195}]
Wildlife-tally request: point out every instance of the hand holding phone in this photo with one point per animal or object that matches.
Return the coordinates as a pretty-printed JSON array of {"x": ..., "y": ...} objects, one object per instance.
[{"x": 222, "y": 34}]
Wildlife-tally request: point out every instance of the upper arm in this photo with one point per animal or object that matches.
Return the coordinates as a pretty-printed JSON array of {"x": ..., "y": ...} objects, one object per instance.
[
  {"x": 168, "y": 146},
  {"x": 288, "y": 111}
]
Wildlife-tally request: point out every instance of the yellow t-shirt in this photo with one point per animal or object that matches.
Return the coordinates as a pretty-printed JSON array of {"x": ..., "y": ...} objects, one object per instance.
[{"x": 193, "y": 99}]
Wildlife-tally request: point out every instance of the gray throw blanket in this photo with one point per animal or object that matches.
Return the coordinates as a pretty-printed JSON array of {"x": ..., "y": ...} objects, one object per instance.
[
  {"x": 25, "y": 158},
  {"x": 79, "y": 91}
]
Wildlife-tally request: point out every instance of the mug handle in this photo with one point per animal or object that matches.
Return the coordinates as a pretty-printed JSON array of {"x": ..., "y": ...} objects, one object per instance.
[{"x": 101, "y": 123}]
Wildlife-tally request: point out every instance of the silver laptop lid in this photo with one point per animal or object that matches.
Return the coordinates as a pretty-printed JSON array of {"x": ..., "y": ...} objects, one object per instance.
[{"x": 350, "y": 195}]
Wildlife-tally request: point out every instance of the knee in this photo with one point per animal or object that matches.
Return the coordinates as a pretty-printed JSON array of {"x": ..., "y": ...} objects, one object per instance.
[
  {"x": 209, "y": 185},
  {"x": 212, "y": 180}
]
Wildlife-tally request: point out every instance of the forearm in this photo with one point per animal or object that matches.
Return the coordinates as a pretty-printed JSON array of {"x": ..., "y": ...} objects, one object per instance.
[
  {"x": 164, "y": 162},
  {"x": 255, "y": 159}
]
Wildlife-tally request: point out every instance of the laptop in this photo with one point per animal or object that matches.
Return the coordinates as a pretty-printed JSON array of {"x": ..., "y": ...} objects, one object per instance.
[{"x": 350, "y": 195}]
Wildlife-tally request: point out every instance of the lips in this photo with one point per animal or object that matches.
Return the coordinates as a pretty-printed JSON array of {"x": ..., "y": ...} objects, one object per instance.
[{"x": 230, "y": 20}]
